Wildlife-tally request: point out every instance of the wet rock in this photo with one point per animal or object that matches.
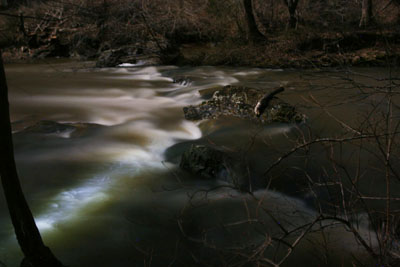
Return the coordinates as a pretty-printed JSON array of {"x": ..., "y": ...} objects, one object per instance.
[
  {"x": 184, "y": 81},
  {"x": 48, "y": 127},
  {"x": 147, "y": 60},
  {"x": 209, "y": 92},
  {"x": 205, "y": 161},
  {"x": 284, "y": 112},
  {"x": 240, "y": 102},
  {"x": 66, "y": 130},
  {"x": 193, "y": 114},
  {"x": 142, "y": 53},
  {"x": 114, "y": 57},
  {"x": 209, "y": 162},
  {"x": 109, "y": 58}
]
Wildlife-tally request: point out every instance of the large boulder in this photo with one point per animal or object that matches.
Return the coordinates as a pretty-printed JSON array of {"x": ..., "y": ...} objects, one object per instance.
[
  {"x": 205, "y": 161},
  {"x": 208, "y": 162},
  {"x": 240, "y": 101}
]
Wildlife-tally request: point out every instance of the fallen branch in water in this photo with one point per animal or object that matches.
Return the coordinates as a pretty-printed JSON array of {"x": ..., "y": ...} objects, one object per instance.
[{"x": 263, "y": 103}]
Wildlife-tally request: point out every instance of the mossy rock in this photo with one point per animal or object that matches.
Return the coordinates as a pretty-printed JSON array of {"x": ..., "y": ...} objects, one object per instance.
[
  {"x": 239, "y": 101},
  {"x": 204, "y": 161}
]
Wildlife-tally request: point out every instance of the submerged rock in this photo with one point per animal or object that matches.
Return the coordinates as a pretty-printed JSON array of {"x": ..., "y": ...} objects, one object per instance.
[
  {"x": 48, "y": 127},
  {"x": 284, "y": 112},
  {"x": 52, "y": 128},
  {"x": 209, "y": 162},
  {"x": 184, "y": 81},
  {"x": 240, "y": 101},
  {"x": 205, "y": 161}
]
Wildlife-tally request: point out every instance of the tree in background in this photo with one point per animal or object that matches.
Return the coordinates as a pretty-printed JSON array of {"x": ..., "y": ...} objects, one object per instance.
[
  {"x": 366, "y": 13},
  {"x": 254, "y": 33},
  {"x": 291, "y": 6}
]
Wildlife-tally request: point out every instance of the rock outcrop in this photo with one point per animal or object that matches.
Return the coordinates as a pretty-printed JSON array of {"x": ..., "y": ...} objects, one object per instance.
[
  {"x": 205, "y": 161},
  {"x": 240, "y": 101},
  {"x": 213, "y": 163}
]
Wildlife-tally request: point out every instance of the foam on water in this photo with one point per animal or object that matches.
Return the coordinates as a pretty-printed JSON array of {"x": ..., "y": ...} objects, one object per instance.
[
  {"x": 65, "y": 205},
  {"x": 128, "y": 161},
  {"x": 145, "y": 73},
  {"x": 127, "y": 65},
  {"x": 132, "y": 112}
]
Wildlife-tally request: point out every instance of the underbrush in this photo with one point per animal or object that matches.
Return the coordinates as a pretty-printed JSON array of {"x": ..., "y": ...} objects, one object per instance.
[{"x": 204, "y": 32}]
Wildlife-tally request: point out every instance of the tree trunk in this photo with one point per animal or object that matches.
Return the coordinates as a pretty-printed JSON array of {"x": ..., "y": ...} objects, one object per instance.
[
  {"x": 292, "y": 19},
  {"x": 292, "y": 6},
  {"x": 366, "y": 13},
  {"x": 29, "y": 239},
  {"x": 254, "y": 33}
]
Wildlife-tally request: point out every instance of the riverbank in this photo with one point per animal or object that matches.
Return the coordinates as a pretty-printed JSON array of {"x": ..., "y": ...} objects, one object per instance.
[
  {"x": 132, "y": 33},
  {"x": 297, "y": 50}
]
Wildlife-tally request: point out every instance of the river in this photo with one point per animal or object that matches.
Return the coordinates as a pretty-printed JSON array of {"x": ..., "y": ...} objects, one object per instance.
[{"x": 106, "y": 191}]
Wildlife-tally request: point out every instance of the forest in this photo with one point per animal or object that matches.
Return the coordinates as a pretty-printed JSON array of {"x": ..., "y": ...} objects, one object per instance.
[
  {"x": 268, "y": 33},
  {"x": 199, "y": 133}
]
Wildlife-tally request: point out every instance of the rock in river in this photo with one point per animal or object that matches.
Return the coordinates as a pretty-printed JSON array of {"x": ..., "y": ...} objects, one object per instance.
[
  {"x": 205, "y": 161},
  {"x": 240, "y": 101},
  {"x": 56, "y": 129},
  {"x": 209, "y": 162}
]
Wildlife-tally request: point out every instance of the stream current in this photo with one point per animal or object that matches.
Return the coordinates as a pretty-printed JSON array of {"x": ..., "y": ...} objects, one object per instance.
[{"x": 107, "y": 192}]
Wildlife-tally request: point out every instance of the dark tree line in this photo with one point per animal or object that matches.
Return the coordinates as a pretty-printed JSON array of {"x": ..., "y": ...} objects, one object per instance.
[
  {"x": 256, "y": 35},
  {"x": 366, "y": 18}
]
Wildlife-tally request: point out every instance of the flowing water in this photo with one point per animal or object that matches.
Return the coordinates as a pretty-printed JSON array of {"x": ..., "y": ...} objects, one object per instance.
[{"x": 105, "y": 189}]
